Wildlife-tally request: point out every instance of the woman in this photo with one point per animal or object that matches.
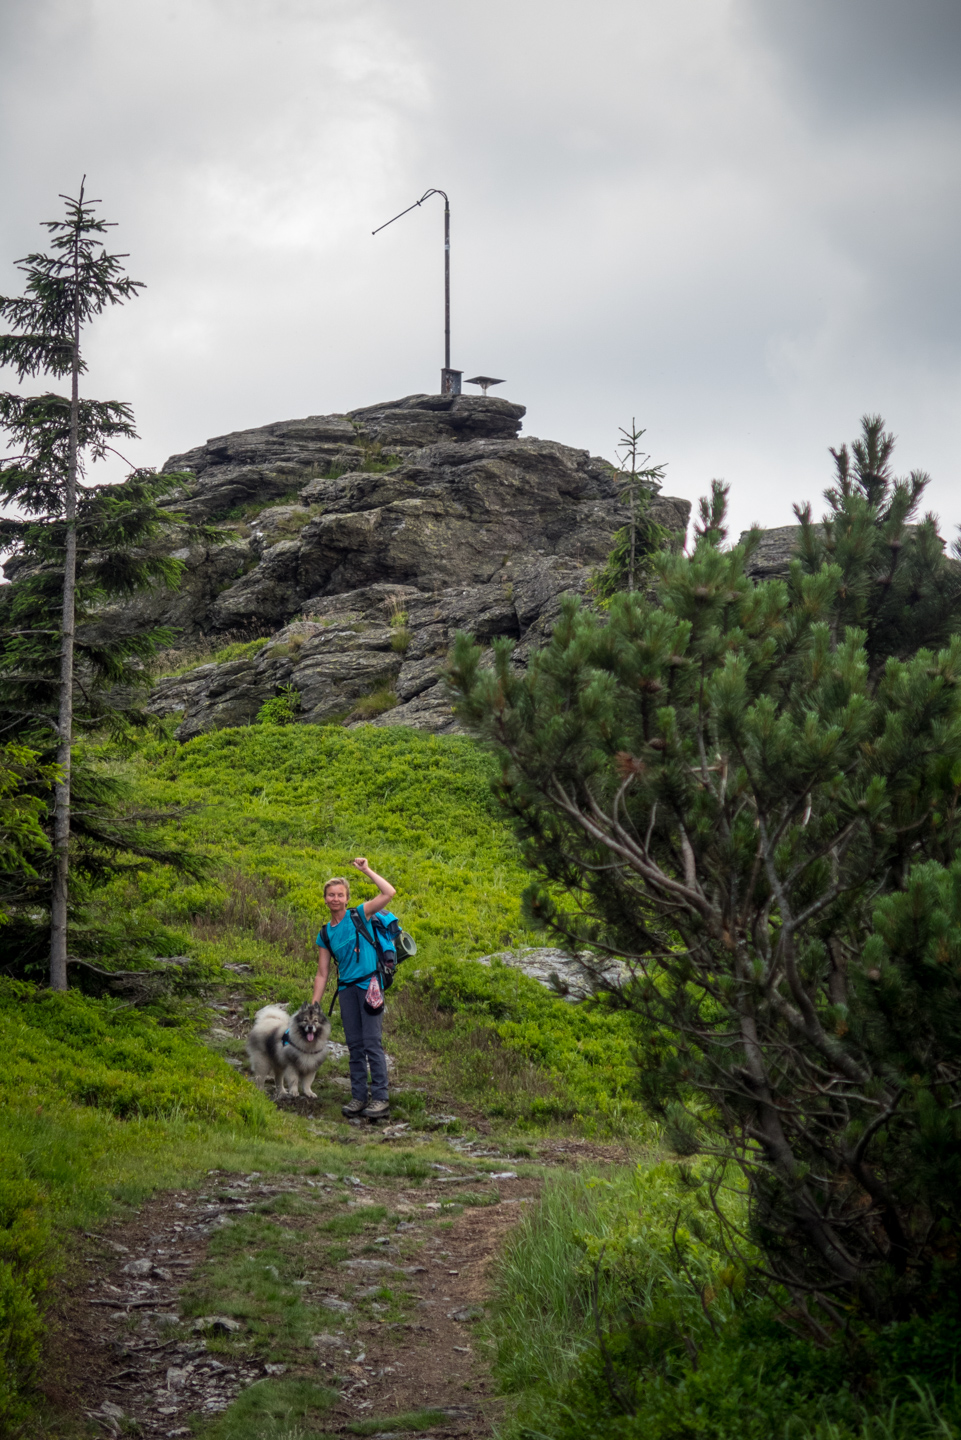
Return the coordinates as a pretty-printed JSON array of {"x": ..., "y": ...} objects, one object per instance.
[{"x": 344, "y": 937}]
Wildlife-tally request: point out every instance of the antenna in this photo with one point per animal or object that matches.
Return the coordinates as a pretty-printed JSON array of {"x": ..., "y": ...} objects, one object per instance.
[{"x": 449, "y": 379}]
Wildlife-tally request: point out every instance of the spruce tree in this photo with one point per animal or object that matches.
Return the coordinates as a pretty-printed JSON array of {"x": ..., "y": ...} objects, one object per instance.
[
  {"x": 627, "y": 564},
  {"x": 752, "y": 796},
  {"x": 74, "y": 545}
]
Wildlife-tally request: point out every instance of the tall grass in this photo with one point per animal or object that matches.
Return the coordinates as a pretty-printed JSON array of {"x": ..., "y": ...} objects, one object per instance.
[{"x": 618, "y": 1314}]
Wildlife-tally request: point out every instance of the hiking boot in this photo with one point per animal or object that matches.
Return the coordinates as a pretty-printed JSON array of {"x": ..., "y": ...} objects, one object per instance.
[
  {"x": 353, "y": 1107},
  {"x": 377, "y": 1110}
]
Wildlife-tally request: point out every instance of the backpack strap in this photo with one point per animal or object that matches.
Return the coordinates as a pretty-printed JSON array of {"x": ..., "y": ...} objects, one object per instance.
[
  {"x": 360, "y": 923},
  {"x": 360, "y": 928},
  {"x": 330, "y": 951}
]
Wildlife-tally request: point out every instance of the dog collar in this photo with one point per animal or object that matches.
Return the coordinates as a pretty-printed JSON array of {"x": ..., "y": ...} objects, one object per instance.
[{"x": 286, "y": 1040}]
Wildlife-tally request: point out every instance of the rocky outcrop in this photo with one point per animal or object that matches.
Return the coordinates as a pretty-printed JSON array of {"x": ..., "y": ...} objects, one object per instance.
[
  {"x": 374, "y": 654},
  {"x": 357, "y": 546},
  {"x": 247, "y": 466},
  {"x": 775, "y": 551}
]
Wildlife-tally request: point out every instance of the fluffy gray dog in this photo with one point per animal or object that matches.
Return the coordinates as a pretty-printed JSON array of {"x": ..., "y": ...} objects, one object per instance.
[{"x": 290, "y": 1046}]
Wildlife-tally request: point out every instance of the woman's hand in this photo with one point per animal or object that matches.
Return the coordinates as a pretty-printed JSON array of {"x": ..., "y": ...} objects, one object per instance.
[{"x": 361, "y": 863}]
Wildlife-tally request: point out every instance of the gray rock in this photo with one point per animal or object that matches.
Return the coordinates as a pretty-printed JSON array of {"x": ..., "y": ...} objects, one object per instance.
[
  {"x": 564, "y": 974},
  {"x": 217, "y": 1324},
  {"x": 266, "y": 595},
  {"x": 775, "y": 552},
  {"x": 419, "y": 675},
  {"x": 331, "y": 1302},
  {"x": 138, "y": 1267}
]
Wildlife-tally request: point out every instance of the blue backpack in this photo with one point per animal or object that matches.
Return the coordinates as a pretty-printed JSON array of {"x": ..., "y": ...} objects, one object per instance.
[{"x": 391, "y": 944}]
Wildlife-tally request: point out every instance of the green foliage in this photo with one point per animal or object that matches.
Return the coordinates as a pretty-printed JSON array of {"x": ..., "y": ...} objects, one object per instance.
[
  {"x": 22, "y": 837},
  {"x": 24, "y": 1269},
  {"x": 619, "y": 1314},
  {"x": 725, "y": 782},
  {"x": 106, "y": 1055},
  {"x": 282, "y": 709},
  {"x": 279, "y": 809},
  {"x": 895, "y": 583},
  {"x": 628, "y": 565},
  {"x": 111, "y": 835},
  {"x": 378, "y": 702},
  {"x": 75, "y": 550},
  {"x": 239, "y": 650},
  {"x": 401, "y": 635},
  {"x": 585, "y": 1052}
]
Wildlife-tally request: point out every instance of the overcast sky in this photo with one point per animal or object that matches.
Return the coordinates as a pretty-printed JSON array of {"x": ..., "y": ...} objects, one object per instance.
[{"x": 735, "y": 220}]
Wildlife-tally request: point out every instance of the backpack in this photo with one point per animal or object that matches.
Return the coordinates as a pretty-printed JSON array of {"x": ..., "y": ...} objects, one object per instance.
[{"x": 391, "y": 943}]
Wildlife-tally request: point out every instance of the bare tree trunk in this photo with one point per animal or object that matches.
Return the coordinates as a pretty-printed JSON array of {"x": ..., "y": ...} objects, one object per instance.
[{"x": 61, "y": 805}]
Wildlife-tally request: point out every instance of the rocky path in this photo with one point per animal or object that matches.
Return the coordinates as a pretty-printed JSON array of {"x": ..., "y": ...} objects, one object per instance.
[{"x": 319, "y": 1299}]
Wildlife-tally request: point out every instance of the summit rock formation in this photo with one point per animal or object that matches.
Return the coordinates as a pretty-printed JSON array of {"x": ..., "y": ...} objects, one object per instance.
[{"x": 355, "y": 546}]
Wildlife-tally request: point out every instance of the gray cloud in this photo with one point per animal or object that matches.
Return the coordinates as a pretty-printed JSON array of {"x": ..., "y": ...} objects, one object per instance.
[{"x": 737, "y": 221}]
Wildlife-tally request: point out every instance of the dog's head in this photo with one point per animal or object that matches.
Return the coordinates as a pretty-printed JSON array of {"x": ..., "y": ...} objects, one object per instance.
[{"x": 312, "y": 1022}]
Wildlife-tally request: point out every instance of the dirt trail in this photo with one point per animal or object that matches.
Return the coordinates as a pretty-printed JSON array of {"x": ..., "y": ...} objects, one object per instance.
[
  {"x": 373, "y": 1287},
  {"x": 125, "y": 1350}
]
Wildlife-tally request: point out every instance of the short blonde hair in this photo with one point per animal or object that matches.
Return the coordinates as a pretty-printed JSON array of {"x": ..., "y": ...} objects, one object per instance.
[{"x": 337, "y": 880}]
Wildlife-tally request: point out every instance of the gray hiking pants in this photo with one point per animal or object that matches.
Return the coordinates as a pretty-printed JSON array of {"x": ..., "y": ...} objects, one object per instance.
[{"x": 363, "y": 1035}]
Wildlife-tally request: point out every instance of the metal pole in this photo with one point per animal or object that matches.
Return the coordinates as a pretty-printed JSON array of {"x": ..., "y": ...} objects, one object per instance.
[
  {"x": 446, "y": 283},
  {"x": 449, "y": 379}
]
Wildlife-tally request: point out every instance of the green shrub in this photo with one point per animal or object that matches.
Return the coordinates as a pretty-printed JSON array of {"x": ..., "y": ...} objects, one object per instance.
[
  {"x": 24, "y": 1264},
  {"x": 102, "y": 1053},
  {"x": 585, "y": 1051},
  {"x": 281, "y": 808},
  {"x": 282, "y": 709}
]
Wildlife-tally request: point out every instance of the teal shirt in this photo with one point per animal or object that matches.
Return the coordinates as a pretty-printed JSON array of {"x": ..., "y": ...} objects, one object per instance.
[{"x": 355, "y": 966}]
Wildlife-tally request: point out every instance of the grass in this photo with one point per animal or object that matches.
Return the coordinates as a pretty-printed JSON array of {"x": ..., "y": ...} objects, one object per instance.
[
  {"x": 210, "y": 650},
  {"x": 378, "y": 702},
  {"x": 272, "y": 1410},
  {"x": 410, "y": 1420},
  {"x": 278, "y": 809},
  {"x": 125, "y": 1101},
  {"x": 522, "y": 1053},
  {"x": 618, "y": 1313}
]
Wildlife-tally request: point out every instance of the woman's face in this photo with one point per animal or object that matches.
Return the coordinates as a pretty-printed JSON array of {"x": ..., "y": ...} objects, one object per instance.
[{"x": 335, "y": 898}]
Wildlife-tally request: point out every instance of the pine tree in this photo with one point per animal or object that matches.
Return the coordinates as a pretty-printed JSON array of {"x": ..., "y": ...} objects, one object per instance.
[
  {"x": 895, "y": 582},
  {"x": 74, "y": 545},
  {"x": 729, "y": 788}
]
